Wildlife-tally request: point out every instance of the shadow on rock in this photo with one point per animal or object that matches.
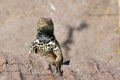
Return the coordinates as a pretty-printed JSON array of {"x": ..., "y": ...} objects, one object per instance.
[{"x": 69, "y": 39}]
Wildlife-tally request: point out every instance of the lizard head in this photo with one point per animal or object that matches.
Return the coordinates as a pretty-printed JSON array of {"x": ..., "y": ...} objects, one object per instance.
[{"x": 45, "y": 24}]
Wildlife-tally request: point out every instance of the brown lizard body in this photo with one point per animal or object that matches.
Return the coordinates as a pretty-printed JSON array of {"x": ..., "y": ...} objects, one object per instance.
[{"x": 46, "y": 44}]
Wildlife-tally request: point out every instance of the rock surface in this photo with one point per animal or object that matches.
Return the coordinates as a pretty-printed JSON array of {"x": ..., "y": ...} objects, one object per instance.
[
  {"x": 85, "y": 29},
  {"x": 34, "y": 67}
]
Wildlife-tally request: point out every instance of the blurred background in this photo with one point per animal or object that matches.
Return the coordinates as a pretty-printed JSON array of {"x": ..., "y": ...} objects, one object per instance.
[{"x": 84, "y": 28}]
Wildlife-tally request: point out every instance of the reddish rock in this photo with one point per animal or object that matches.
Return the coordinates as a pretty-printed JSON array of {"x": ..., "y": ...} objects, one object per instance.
[{"x": 2, "y": 60}]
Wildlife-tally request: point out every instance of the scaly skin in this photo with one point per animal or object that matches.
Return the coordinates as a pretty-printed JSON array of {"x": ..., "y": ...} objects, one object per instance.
[{"x": 46, "y": 44}]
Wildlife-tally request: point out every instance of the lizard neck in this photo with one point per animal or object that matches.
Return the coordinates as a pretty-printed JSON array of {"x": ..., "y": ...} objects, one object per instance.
[{"x": 45, "y": 36}]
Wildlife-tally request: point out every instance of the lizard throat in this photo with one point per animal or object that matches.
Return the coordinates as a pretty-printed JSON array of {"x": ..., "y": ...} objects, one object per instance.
[{"x": 45, "y": 36}]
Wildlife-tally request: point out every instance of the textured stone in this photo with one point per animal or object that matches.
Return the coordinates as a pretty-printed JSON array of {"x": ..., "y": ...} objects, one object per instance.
[{"x": 85, "y": 30}]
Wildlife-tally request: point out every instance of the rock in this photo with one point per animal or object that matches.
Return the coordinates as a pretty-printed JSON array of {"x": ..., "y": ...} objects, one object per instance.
[
  {"x": 82, "y": 27},
  {"x": 27, "y": 67},
  {"x": 2, "y": 63},
  {"x": 35, "y": 67},
  {"x": 2, "y": 60}
]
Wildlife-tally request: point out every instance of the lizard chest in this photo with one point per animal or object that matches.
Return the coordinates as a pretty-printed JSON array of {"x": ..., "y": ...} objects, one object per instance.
[{"x": 45, "y": 48}]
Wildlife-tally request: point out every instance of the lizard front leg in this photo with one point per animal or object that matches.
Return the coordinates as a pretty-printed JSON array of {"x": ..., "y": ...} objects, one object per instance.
[{"x": 33, "y": 46}]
